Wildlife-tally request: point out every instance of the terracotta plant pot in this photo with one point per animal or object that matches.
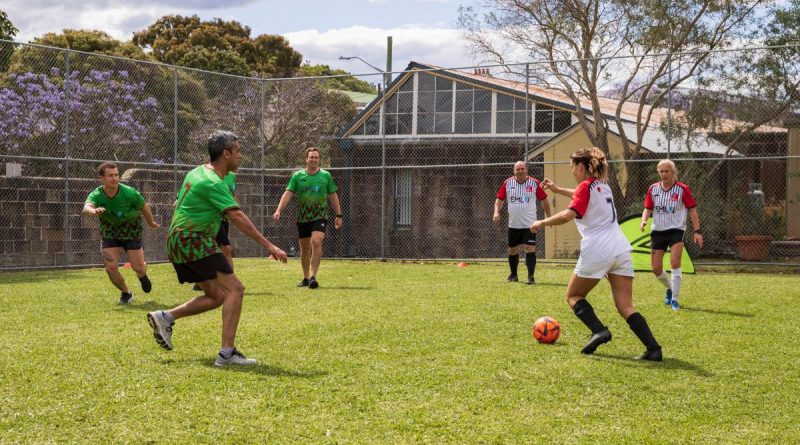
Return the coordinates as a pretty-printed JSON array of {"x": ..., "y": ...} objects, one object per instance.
[{"x": 753, "y": 247}]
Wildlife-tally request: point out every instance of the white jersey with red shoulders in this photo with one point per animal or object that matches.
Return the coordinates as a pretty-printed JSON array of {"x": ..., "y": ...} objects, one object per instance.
[
  {"x": 597, "y": 223},
  {"x": 521, "y": 201},
  {"x": 669, "y": 206}
]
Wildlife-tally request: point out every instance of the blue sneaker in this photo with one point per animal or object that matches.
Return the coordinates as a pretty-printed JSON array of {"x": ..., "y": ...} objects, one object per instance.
[
  {"x": 675, "y": 305},
  {"x": 668, "y": 297}
]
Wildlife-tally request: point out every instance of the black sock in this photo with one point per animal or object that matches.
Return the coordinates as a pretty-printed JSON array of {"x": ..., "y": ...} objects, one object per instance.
[
  {"x": 585, "y": 312},
  {"x": 639, "y": 327},
  {"x": 513, "y": 262},
  {"x": 530, "y": 261}
]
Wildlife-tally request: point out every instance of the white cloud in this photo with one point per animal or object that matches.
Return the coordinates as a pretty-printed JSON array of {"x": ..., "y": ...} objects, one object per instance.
[{"x": 438, "y": 46}]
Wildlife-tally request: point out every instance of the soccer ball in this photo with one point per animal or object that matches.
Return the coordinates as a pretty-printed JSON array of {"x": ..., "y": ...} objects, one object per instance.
[{"x": 546, "y": 330}]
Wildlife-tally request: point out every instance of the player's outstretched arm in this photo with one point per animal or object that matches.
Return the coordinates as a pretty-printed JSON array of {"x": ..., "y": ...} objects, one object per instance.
[
  {"x": 148, "y": 216},
  {"x": 550, "y": 185},
  {"x": 559, "y": 218},
  {"x": 287, "y": 195},
  {"x": 90, "y": 209},
  {"x": 239, "y": 219}
]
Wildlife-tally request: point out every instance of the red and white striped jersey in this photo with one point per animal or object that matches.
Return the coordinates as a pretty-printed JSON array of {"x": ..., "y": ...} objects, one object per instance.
[
  {"x": 521, "y": 201},
  {"x": 597, "y": 223},
  {"x": 669, "y": 206}
]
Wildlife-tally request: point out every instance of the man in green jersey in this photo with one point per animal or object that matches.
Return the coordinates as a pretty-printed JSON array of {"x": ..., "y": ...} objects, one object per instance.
[
  {"x": 314, "y": 187},
  {"x": 120, "y": 208},
  {"x": 193, "y": 250},
  {"x": 223, "y": 239}
]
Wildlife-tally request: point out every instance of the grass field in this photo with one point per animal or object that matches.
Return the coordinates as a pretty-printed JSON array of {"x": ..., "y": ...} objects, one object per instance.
[{"x": 397, "y": 353}]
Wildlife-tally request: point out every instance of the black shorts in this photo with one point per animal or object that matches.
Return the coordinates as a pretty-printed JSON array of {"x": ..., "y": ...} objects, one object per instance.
[
  {"x": 661, "y": 239},
  {"x": 304, "y": 229},
  {"x": 521, "y": 236},
  {"x": 203, "y": 269},
  {"x": 222, "y": 235},
  {"x": 127, "y": 244}
]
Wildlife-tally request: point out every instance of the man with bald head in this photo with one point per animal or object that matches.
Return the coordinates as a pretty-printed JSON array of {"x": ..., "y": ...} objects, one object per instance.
[{"x": 522, "y": 192}]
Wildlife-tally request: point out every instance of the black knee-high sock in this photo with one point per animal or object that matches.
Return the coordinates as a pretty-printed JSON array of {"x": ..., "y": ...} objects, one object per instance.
[
  {"x": 530, "y": 261},
  {"x": 513, "y": 261},
  {"x": 639, "y": 327},
  {"x": 585, "y": 312}
]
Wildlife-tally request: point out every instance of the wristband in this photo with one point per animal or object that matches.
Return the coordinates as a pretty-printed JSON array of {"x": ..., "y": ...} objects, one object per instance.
[
  {"x": 338, "y": 216},
  {"x": 698, "y": 231}
]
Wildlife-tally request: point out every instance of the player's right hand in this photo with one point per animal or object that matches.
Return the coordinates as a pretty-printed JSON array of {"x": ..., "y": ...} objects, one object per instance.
[
  {"x": 99, "y": 210},
  {"x": 496, "y": 218},
  {"x": 278, "y": 254},
  {"x": 277, "y": 215}
]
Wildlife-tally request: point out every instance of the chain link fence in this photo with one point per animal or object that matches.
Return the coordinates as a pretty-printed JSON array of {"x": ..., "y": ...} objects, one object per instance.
[{"x": 418, "y": 162}]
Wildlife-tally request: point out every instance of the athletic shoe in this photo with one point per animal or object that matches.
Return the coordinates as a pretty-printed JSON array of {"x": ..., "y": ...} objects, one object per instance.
[
  {"x": 598, "y": 339},
  {"x": 303, "y": 283},
  {"x": 653, "y": 355},
  {"x": 512, "y": 278},
  {"x": 312, "y": 283},
  {"x": 531, "y": 280},
  {"x": 162, "y": 329},
  {"x": 197, "y": 288},
  {"x": 675, "y": 305},
  {"x": 125, "y": 297},
  {"x": 147, "y": 286},
  {"x": 237, "y": 358},
  {"x": 668, "y": 297}
]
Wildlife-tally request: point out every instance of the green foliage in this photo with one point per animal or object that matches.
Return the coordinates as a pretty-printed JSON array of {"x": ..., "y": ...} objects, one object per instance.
[
  {"x": 92, "y": 41},
  {"x": 337, "y": 83},
  {"x": 396, "y": 353},
  {"x": 7, "y": 29},
  {"x": 177, "y": 40}
]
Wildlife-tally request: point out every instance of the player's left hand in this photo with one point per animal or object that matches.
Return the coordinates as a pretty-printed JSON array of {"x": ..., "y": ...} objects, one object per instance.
[
  {"x": 698, "y": 239},
  {"x": 338, "y": 222},
  {"x": 278, "y": 254},
  {"x": 536, "y": 226}
]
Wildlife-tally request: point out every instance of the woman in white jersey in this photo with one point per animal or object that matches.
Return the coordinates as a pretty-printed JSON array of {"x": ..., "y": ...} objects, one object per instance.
[
  {"x": 669, "y": 201},
  {"x": 605, "y": 252}
]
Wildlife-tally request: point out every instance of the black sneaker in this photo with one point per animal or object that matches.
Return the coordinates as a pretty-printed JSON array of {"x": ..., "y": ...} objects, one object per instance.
[
  {"x": 197, "y": 287},
  {"x": 531, "y": 280},
  {"x": 125, "y": 297},
  {"x": 653, "y": 355},
  {"x": 303, "y": 283},
  {"x": 598, "y": 339},
  {"x": 312, "y": 283},
  {"x": 147, "y": 286},
  {"x": 512, "y": 278}
]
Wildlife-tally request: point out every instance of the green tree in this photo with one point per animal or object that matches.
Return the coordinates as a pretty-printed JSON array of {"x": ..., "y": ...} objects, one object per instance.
[
  {"x": 576, "y": 47},
  {"x": 7, "y": 29},
  {"x": 177, "y": 40},
  {"x": 348, "y": 83}
]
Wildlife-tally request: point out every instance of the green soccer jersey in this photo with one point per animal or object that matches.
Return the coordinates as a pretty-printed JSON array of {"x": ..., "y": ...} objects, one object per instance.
[
  {"x": 203, "y": 199},
  {"x": 122, "y": 218},
  {"x": 312, "y": 194},
  {"x": 230, "y": 179}
]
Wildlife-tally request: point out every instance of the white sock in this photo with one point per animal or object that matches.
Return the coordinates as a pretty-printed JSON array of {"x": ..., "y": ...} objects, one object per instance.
[
  {"x": 677, "y": 276},
  {"x": 664, "y": 279}
]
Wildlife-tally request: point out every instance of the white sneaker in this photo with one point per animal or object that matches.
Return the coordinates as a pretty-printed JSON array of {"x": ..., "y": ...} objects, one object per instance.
[
  {"x": 237, "y": 358},
  {"x": 162, "y": 329}
]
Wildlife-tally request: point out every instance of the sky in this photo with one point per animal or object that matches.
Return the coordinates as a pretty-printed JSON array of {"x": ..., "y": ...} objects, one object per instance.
[{"x": 422, "y": 30}]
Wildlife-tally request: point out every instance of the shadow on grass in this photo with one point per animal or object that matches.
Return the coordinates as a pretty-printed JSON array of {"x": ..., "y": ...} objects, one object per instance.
[
  {"x": 668, "y": 363},
  {"x": 147, "y": 306},
  {"x": 716, "y": 312},
  {"x": 263, "y": 369},
  {"x": 346, "y": 287}
]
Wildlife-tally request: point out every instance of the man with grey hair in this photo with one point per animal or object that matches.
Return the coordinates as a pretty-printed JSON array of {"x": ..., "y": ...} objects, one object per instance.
[
  {"x": 193, "y": 250},
  {"x": 521, "y": 191}
]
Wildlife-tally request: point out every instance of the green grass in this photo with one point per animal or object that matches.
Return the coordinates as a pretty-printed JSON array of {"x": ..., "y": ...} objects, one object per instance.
[{"x": 397, "y": 353}]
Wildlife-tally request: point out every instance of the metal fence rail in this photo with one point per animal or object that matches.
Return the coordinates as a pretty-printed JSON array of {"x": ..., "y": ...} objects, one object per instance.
[{"x": 417, "y": 168}]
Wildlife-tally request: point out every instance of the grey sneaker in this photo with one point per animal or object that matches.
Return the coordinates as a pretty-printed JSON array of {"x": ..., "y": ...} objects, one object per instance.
[
  {"x": 237, "y": 358},
  {"x": 162, "y": 329},
  {"x": 125, "y": 297}
]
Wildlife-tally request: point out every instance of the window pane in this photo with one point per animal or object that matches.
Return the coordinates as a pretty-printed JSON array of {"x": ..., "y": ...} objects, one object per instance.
[
  {"x": 483, "y": 100},
  {"x": 405, "y": 102},
  {"x": 443, "y": 84},
  {"x": 505, "y": 122},
  {"x": 372, "y": 127},
  {"x": 464, "y": 101},
  {"x": 463, "y": 86},
  {"x": 444, "y": 123},
  {"x": 519, "y": 104},
  {"x": 519, "y": 122},
  {"x": 426, "y": 82},
  {"x": 425, "y": 102},
  {"x": 425, "y": 123},
  {"x": 540, "y": 107},
  {"x": 482, "y": 123},
  {"x": 505, "y": 103},
  {"x": 444, "y": 101},
  {"x": 391, "y": 104},
  {"x": 562, "y": 120},
  {"x": 408, "y": 85},
  {"x": 391, "y": 124},
  {"x": 544, "y": 122},
  {"x": 404, "y": 123},
  {"x": 463, "y": 123}
]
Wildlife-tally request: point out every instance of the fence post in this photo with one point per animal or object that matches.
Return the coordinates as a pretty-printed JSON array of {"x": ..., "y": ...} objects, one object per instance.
[
  {"x": 66, "y": 158},
  {"x": 383, "y": 167},
  {"x": 263, "y": 142},
  {"x": 527, "y": 108},
  {"x": 175, "y": 184},
  {"x": 669, "y": 104}
]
